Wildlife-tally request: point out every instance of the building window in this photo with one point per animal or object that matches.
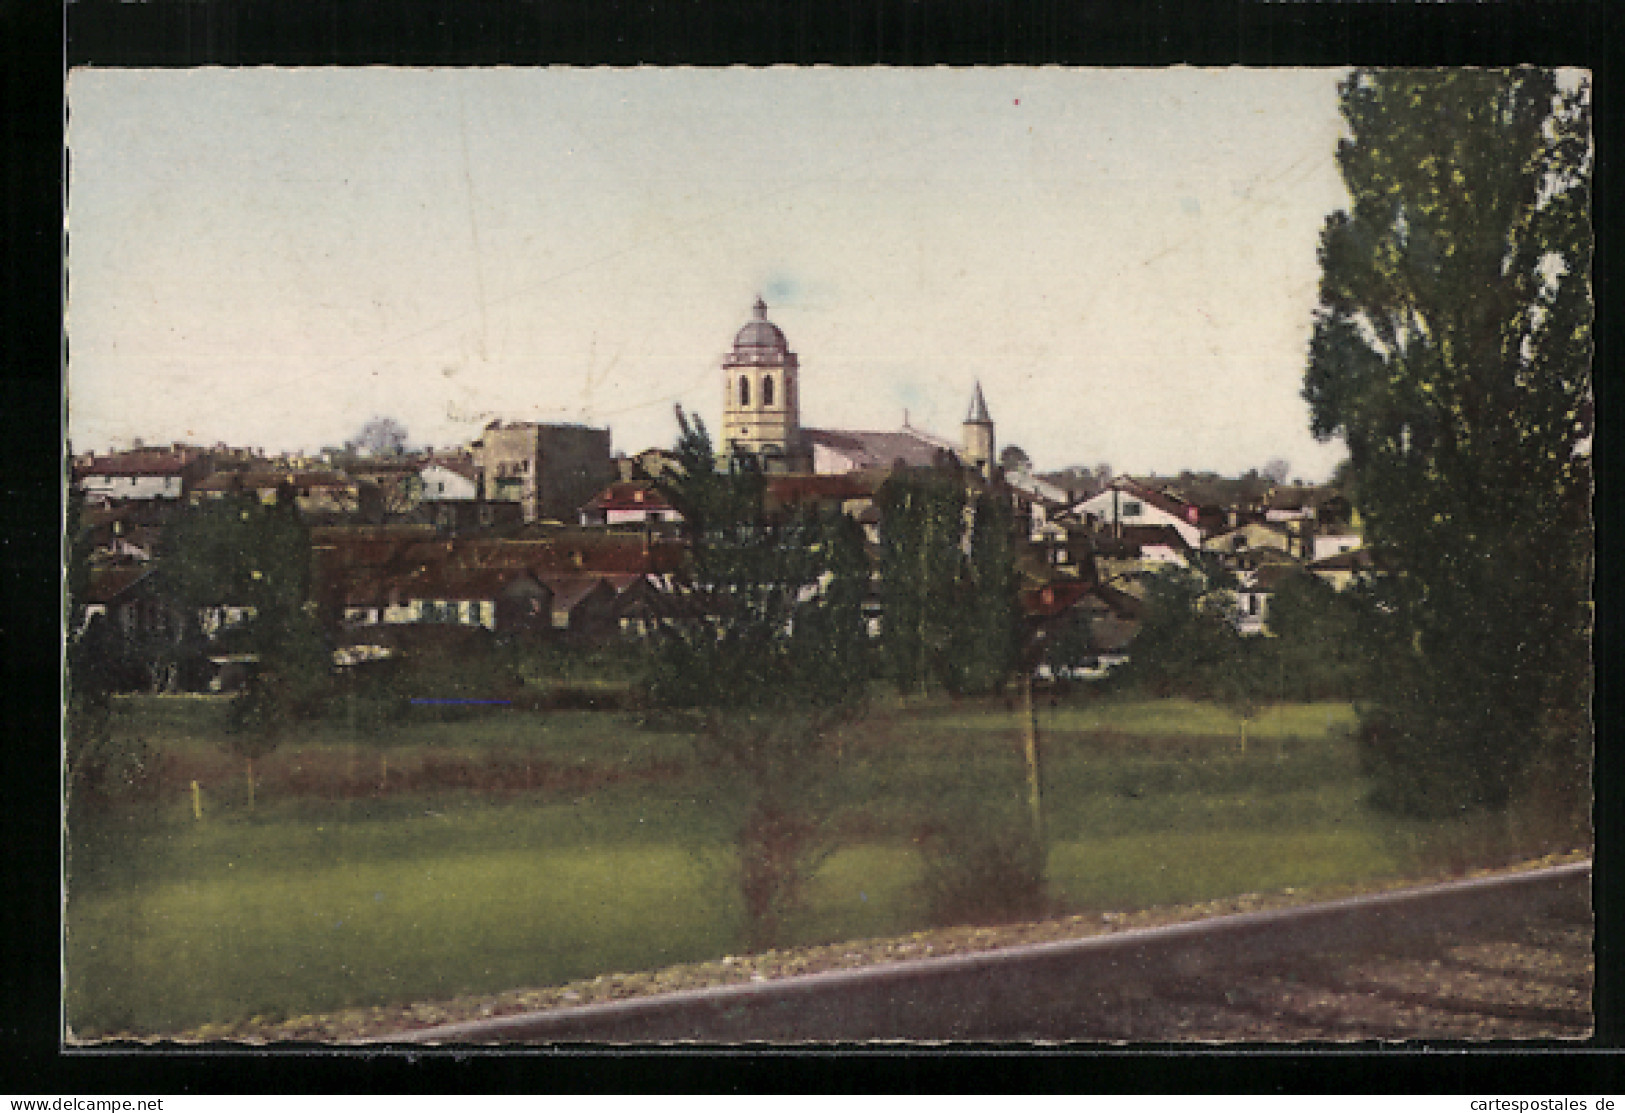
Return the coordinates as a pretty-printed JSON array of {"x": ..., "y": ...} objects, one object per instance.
[
  {"x": 1131, "y": 510},
  {"x": 744, "y": 391},
  {"x": 767, "y": 390}
]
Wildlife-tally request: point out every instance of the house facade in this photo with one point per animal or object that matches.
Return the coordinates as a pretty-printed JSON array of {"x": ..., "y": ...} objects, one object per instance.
[
  {"x": 445, "y": 480},
  {"x": 1344, "y": 569},
  {"x": 141, "y": 475},
  {"x": 1331, "y": 544},
  {"x": 1249, "y": 538},
  {"x": 1125, "y": 503}
]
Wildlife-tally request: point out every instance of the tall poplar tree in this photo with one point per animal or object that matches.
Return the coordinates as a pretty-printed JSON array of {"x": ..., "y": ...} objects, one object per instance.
[
  {"x": 238, "y": 551},
  {"x": 1452, "y": 352},
  {"x": 922, "y": 529},
  {"x": 985, "y": 646}
]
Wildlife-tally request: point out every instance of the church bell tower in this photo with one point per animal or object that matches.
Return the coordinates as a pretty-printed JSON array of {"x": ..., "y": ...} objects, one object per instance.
[{"x": 761, "y": 407}]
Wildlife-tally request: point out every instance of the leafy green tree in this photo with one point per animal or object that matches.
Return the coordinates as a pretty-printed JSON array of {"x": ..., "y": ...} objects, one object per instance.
[
  {"x": 239, "y": 552},
  {"x": 100, "y": 660},
  {"x": 1452, "y": 353},
  {"x": 765, "y": 648},
  {"x": 93, "y": 652},
  {"x": 1012, "y": 457},
  {"x": 922, "y": 528},
  {"x": 1323, "y": 646},
  {"x": 1186, "y": 644},
  {"x": 984, "y": 645}
]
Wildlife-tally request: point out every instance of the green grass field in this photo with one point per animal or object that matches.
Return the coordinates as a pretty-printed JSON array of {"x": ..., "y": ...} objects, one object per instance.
[{"x": 393, "y": 893}]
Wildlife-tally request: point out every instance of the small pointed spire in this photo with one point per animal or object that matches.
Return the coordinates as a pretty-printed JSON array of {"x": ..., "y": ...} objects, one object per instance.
[
  {"x": 760, "y": 309},
  {"x": 978, "y": 407}
]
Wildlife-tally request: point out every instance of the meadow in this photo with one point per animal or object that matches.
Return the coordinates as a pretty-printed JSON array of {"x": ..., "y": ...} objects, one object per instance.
[{"x": 525, "y": 848}]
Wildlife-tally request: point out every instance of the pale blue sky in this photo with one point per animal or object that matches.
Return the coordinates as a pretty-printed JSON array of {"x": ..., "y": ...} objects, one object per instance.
[{"x": 1124, "y": 258}]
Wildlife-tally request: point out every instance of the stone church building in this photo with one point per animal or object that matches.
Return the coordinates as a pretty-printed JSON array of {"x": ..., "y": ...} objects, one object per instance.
[{"x": 761, "y": 415}]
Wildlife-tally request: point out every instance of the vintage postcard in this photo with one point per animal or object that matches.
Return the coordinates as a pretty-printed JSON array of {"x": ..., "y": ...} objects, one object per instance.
[{"x": 648, "y": 555}]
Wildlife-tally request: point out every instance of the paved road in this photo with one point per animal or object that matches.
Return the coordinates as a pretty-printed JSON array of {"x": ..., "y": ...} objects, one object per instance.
[{"x": 1492, "y": 958}]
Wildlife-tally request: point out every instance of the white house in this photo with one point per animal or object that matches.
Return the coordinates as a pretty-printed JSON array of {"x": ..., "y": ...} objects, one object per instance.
[
  {"x": 1253, "y": 594},
  {"x": 442, "y": 482},
  {"x": 1162, "y": 554},
  {"x": 1330, "y": 544},
  {"x": 1127, "y": 504},
  {"x": 135, "y": 475},
  {"x": 1041, "y": 492}
]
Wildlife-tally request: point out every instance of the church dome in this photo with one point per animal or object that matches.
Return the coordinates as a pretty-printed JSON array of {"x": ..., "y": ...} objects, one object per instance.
[{"x": 759, "y": 332}]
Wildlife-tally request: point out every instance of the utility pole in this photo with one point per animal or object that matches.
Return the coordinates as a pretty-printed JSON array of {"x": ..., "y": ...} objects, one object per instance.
[
  {"x": 1035, "y": 799},
  {"x": 925, "y": 583}
]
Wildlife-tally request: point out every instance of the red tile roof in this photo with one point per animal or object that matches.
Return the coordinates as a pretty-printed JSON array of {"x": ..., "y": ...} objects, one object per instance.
[
  {"x": 1298, "y": 498},
  {"x": 1162, "y": 500},
  {"x": 452, "y": 582},
  {"x": 632, "y": 494},
  {"x": 790, "y": 489},
  {"x": 1143, "y": 536},
  {"x": 1059, "y": 596},
  {"x": 464, "y": 468},
  {"x": 268, "y": 480},
  {"x": 359, "y": 570},
  {"x": 569, "y": 591},
  {"x": 106, "y": 584},
  {"x": 1350, "y": 560},
  {"x": 134, "y": 463},
  {"x": 1052, "y": 598}
]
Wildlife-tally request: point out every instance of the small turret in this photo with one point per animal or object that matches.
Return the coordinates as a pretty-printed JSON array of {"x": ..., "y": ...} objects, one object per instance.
[{"x": 978, "y": 435}]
